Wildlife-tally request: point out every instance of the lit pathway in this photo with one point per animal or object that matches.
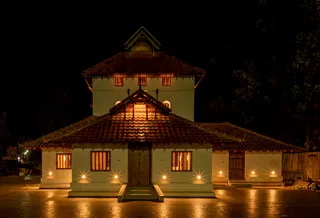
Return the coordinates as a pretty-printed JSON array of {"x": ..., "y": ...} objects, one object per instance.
[{"x": 26, "y": 201}]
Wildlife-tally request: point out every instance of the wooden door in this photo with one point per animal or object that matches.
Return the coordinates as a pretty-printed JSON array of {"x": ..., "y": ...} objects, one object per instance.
[
  {"x": 236, "y": 165},
  {"x": 139, "y": 164}
]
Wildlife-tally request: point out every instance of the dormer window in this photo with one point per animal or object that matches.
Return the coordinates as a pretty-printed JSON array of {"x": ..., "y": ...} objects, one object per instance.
[
  {"x": 166, "y": 80},
  {"x": 118, "y": 80},
  {"x": 142, "y": 80}
]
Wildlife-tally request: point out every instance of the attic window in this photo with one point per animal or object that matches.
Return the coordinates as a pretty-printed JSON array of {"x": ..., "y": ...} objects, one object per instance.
[
  {"x": 142, "y": 80},
  {"x": 166, "y": 80},
  {"x": 118, "y": 80}
]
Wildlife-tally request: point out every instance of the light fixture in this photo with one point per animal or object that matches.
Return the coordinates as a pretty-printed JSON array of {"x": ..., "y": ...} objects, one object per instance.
[
  {"x": 26, "y": 152},
  {"x": 50, "y": 173},
  {"x": 273, "y": 172},
  {"x": 253, "y": 172},
  {"x": 220, "y": 172},
  {"x": 83, "y": 176},
  {"x": 164, "y": 177},
  {"x": 199, "y": 177},
  {"x": 116, "y": 176}
]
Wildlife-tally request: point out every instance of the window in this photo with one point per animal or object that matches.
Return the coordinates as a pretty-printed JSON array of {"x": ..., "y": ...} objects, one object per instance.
[
  {"x": 181, "y": 160},
  {"x": 63, "y": 161},
  {"x": 166, "y": 80},
  {"x": 118, "y": 80},
  {"x": 167, "y": 104},
  {"x": 100, "y": 161},
  {"x": 142, "y": 80}
]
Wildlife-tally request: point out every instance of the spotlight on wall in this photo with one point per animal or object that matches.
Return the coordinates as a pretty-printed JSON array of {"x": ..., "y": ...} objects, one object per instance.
[
  {"x": 220, "y": 172},
  {"x": 116, "y": 176},
  {"x": 199, "y": 177},
  {"x": 164, "y": 177},
  {"x": 253, "y": 172},
  {"x": 83, "y": 176},
  {"x": 273, "y": 172},
  {"x": 50, "y": 173}
]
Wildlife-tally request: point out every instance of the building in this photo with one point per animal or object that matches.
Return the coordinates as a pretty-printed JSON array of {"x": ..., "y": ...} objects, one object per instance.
[{"x": 142, "y": 134}]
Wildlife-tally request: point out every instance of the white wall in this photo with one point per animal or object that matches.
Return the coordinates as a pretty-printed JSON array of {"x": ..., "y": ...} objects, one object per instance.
[
  {"x": 220, "y": 162},
  {"x": 59, "y": 176},
  {"x": 98, "y": 181},
  {"x": 263, "y": 163},
  {"x": 180, "y": 94},
  {"x": 201, "y": 164}
]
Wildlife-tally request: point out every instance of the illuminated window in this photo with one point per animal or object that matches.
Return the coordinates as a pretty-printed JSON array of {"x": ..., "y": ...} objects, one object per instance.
[
  {"x": 118, "y": 80},
  {"x": 142, "y": 80},
  {"x": 63, "y": 161},
  {"x": 167, "y": 104},
  {"x": 166, "y": 80},
  {"x": 181, "y": 160},
  {"x": 100, "y": 161}
]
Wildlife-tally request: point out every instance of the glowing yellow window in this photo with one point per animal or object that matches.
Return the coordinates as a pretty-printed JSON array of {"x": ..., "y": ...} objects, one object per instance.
[
  {"x": 142, "y": 80},
  {"x": 118, "y": 80},
  {"x": 63, "y": 161},
  {"x": 181, "y": 161},
  {"x": 100, "y": 161},
  {"x": 166, "y": 80}
]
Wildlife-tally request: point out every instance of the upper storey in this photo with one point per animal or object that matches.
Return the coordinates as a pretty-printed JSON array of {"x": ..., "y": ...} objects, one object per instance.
[{"x": 142, "y": 57}]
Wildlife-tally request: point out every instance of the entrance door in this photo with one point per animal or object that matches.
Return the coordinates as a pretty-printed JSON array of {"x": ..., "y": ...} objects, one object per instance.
[
  {"x": 139, "y": 164},
  {"x": 236, "y": 165}
]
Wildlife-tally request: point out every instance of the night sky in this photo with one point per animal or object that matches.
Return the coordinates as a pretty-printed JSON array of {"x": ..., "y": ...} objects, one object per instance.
[{"x": 44, "y": 52}]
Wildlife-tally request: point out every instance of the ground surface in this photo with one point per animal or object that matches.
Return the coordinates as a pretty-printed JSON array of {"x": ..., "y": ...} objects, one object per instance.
[{"x": 19, "y": 198}]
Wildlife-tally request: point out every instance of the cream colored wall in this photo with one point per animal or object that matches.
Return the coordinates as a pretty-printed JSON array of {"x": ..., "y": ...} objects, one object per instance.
[
  {"x": 263, "y": 163},
  {"x": 49, "y": 161},
  {"x": 180, "y": 94},
  {"x": 201, "y": 164},
  {"x": 220, "y": 162},
  {"x": 98, "y": 181}
]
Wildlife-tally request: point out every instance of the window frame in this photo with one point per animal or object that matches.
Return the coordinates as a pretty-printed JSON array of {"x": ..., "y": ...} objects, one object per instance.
[
  {"x": 106, "y": 161},
  {"x": 140, "y": 81},
  {"x": 181, "y": 170},
  {"x": 115, "y": 80},
  {"x": 58, "y": 154},
  {"x": 165, "y": 78}
]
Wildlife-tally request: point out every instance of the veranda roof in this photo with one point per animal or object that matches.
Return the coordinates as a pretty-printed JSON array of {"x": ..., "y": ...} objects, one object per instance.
[{"x": 247, "y": 139}]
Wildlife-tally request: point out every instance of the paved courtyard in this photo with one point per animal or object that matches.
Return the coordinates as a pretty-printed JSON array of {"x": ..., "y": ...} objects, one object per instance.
[{"x": 19, "y": 198}]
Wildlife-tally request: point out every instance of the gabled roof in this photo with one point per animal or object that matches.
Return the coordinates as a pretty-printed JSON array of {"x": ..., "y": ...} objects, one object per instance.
[
  {"x": 155, "y": 63},
  {"x": 247, "y": 139},
  {"x": 167, "y": 129},
  {"x": 140, "y": 96},
  {"x": 142, "y": 33}
]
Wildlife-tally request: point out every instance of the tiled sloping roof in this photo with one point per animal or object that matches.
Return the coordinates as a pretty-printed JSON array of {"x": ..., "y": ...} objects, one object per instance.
[
  {"x": 114, "y": 129},
  {"x": 143, "y": 63},
  {"x": 119, "y": 127},
  {"x": 248, "y": 140}
]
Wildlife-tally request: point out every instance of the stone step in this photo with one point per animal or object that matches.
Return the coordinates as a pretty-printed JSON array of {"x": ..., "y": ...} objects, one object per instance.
[{"x": 140, "y": 194}]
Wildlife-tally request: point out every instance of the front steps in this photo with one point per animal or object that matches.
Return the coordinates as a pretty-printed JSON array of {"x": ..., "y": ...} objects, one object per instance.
[{"x": 139, "y": 193}]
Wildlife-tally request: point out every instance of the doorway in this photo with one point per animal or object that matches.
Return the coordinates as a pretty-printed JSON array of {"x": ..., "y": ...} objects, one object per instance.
[
  {"x": 236, "y": 165},
  {"x": 139, "y": 164}
]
